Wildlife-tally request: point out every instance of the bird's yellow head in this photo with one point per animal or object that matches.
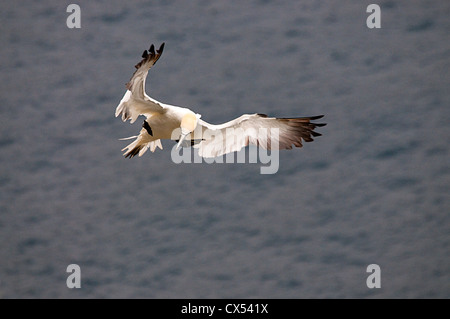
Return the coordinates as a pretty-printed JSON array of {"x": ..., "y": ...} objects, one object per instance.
[{"x": 188, "y": 125}]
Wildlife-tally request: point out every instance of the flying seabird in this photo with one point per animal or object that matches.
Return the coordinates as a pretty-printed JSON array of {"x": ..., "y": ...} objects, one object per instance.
[{"x": 164, "y": 121}]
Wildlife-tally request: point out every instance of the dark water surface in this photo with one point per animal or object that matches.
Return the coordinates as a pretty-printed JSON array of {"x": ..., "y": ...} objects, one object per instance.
[{"x": 374, "y": 189}]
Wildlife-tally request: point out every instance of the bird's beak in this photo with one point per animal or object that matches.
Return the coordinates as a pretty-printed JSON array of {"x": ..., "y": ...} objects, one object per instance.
[{"x": 182, "y": 138}]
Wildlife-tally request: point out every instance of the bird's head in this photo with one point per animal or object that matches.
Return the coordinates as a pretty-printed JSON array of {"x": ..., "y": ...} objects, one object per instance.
[{"x": 188, "y": 125}]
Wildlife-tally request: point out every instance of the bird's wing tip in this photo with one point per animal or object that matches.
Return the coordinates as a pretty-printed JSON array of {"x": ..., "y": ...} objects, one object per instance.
[{"x": 161, "y": 48}]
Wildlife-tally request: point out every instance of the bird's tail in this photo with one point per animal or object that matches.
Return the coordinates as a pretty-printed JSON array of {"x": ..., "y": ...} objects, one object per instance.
[{"x": 140, "y": 146}]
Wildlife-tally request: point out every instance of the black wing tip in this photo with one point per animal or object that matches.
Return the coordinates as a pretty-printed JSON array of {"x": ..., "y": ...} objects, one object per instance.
[
  {"x": 161, "y": 48},
  {"x": 150, "y": 53},
  {"x": 316, "y": 117},
  {"x": 158, "y": 51},
  {"x": 304, "y": 129},
  {"x": 147, "y": 56},
  {"x": 304, "y": 120},
  {"x": 313, "y": 118}
]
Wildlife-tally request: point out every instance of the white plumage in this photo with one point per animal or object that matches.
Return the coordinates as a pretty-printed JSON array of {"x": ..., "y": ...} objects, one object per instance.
[{"x": 164, "y": 121}]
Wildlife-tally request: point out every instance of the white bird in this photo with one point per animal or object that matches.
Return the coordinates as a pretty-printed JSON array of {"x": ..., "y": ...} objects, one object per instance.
[{"x": 164, "y": 121}]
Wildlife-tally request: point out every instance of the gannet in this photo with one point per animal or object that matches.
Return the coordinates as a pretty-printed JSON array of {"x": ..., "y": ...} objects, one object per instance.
[{"x": 164, "y": 121}]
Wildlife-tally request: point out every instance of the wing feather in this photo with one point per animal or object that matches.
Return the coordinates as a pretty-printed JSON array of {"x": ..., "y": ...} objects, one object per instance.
[
  {"x": 256, "y": 129},
  {"x": 136, "y": 102}
]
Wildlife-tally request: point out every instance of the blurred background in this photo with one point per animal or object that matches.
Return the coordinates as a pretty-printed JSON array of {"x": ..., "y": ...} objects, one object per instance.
[{"x": 374, "y": 189}]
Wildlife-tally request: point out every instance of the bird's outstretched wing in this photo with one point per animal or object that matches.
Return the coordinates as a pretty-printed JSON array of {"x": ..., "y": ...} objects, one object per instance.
[
  {"x": 136, "y": 102},
  {"x": 256, "y": 129}
]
